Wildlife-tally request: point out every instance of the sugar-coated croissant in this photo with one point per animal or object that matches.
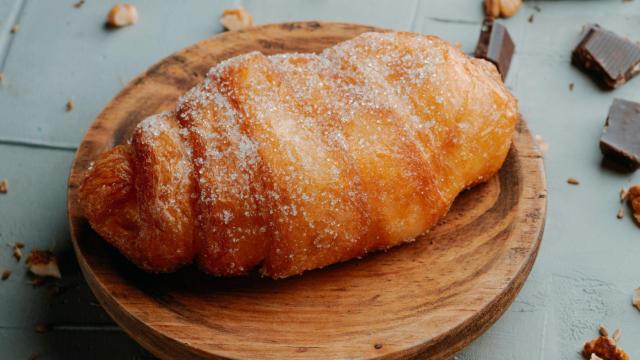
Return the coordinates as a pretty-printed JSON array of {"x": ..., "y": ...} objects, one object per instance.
[{"x": 296, "y": 161}]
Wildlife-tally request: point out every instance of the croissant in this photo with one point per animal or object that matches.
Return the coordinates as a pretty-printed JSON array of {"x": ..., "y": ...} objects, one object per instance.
[{"x": 296, "y": 161}]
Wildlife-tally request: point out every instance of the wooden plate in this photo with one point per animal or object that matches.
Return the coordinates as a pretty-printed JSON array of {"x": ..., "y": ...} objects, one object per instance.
[{"x": 425, "y": 299}]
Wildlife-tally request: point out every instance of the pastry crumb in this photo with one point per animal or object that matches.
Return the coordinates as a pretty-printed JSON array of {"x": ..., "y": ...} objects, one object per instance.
[
  {"x": 43, "y": 264},
  {"x": 122, "y": 15},
  {"x": 4, "y": 186},
  {"x": 620, "y": 213},
  {"x": 236, "y": 19},
  {"x": 571, "y": 85},
  {"x": 15, "y": 29},
  {"x": 70, "y": 105},
  {"x": 79, "y": 4},
  {"x": 573, "y": 181},
  {"x": 5, "y": 275},
  {"x": 636, "y": 298},
  {"x": 531, "y": 18}
]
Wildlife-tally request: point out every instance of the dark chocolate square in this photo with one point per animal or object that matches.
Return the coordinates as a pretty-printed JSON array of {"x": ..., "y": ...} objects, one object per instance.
[
  {"x": 610, "y": 59},
  {"x": 620, "y": 140},
  {"x": 495, "y": 45}
]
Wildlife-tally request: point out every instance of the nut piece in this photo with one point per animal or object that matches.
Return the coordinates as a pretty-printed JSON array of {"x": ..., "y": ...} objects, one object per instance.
[
  {"x": 501, "y": 8},
  {"x": 122, "y": 15},
  {"x": 236, "y": 19},
  {"x": 43, "y": 263},
  {"x": 17, "y": 251},
  {"x": 636, "y": 298},
  {"x": 623, "y": 194},
  {"x": 603, "y": 330},
  {"x": 604, "y": 347},
  {"x": 573, "y": 181},
  {"x": 633, "y": 198}
]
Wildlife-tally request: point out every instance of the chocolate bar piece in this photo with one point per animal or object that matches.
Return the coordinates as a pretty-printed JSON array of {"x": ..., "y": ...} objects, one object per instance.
[
  {"x": 620, "y": 140},
  {"x": 610, "y": 59},
  {"x": 495, "y": 45}
]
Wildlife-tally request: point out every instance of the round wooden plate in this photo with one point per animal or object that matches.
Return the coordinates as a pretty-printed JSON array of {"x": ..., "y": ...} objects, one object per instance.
[{"x": 427, "y": 299}]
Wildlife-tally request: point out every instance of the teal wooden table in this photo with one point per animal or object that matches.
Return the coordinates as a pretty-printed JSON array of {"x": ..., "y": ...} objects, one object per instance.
[{"x": 589, "y": 262}]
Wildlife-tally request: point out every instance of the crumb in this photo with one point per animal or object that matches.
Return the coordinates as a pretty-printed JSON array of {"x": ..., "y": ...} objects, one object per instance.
[
  {"x": 236, "y": 19},
  {"x": 5, "y": 275},
  {"x": 623, "y": 194},
  {"x": 633, "y": 198},
  {"x": 15, "y": 29},
  {"x": 620, "y": 213},
  {"x": 17, "y": 253},
  {"x": 4, "y": 186},
  {"x": 43, "y": 264},
  {"x": 41, "y": 328},
  {"x": 604, "y": 347},
  {"x": 636, "y": 298},
  {"x": 122, "y": 15},
  {"x": 573, "y": 181},
  {"x": 616, "y": 335},
  {"x": 603, "y": 330},
  {"x": 537, "y": 8},
  {"x": 531, "y": 18},
  {"x": 543, "y": 146},
  {"x": 571, "y": 85},
  {"x": 1, "y": 77},
  {"x": 377, "y": 346},
  {"x": 79, "y": 4},
  {"x": 70, "y": 105}
]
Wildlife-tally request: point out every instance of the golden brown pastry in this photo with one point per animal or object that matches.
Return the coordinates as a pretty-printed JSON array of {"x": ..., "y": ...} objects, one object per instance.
[{"x": 297, "y": 161}]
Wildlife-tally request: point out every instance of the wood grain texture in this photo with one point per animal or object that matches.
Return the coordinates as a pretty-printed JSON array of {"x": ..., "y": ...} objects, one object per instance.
[{"x": 427, "y": 299}]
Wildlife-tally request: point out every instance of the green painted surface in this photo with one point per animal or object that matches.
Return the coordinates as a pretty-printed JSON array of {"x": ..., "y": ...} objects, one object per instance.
[{"x": 588, "y": 264}]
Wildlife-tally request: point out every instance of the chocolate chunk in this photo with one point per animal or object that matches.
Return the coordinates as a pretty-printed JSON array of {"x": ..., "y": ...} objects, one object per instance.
[
  {"x": 495, "y": 45},
  {"x": 620, "y": 140},
  {"x": 610, "y": 59}
]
